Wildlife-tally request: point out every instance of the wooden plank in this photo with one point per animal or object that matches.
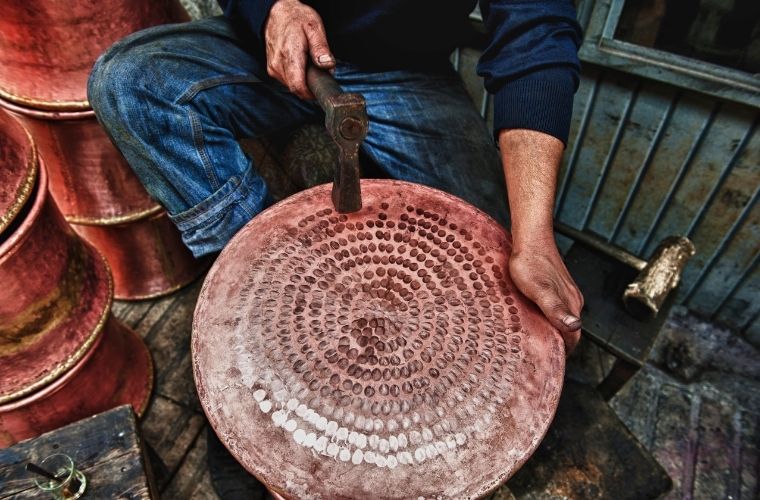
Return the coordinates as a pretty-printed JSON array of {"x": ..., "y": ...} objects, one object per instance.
[
  {"x": 612, "y": 99},
  {"x": 726, "y": 206},
  {"x": 169, "y": 343},
  {"x": 714, "y": 466},
  {"x": 169, "y": 429},
  {"x": 742, "y": 306},
  {"x": 706, "y": 170},
  {"x": 192, "y": 480},
  {"x": 631, "y": 159},
  {"x": 636, "y": 404},
  {"x": 106, "y": 448},
  {"x": 730, "y": 267},
  {"x": 583, "y": 105},
  {"x": 690, "y": 117},
  {"x": 671, "y": 439},
  {"x": 749, "y": 455}
]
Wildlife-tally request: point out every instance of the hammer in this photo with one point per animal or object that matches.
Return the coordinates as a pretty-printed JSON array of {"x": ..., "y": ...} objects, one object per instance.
[{"x": 657, "y": 277}]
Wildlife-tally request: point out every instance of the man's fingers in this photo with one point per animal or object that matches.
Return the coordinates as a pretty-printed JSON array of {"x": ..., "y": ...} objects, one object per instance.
[
  {"x": 318, "y": 48},
  {"x": 295, "y": 72}
]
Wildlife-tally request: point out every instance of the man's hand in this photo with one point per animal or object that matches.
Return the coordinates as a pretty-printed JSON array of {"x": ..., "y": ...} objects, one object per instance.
[
  {"x": 531, "y": 161},
  {"x": 293, "y": 33}
]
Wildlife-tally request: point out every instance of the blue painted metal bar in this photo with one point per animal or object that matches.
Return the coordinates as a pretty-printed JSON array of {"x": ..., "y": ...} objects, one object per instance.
[
  {"x": 610, "y": 155},
  {"x": 723, "y": 242},
  {"x": 653, "y": 145},
  {"x": 683, "y": 169},
  {"x": 723, "y": 175},
  {"x": 577, "y": 145},
  {"x": 736, "y": 286}
]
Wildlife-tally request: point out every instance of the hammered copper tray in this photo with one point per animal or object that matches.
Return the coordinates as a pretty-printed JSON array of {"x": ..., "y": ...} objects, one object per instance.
[{"x": 383, "y": 353}]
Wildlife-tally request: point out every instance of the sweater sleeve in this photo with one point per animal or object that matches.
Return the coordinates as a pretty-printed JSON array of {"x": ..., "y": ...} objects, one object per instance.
[
  {"x": 531, "y": 63},
  {"x": 252, "y": 13}
]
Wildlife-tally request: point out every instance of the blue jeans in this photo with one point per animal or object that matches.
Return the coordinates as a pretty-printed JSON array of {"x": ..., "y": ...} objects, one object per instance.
[{"x": 176, "y": 99}]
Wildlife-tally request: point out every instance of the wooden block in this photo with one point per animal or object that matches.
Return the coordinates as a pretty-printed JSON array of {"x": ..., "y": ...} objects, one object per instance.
[
  {"x": 106, "y": 448},
  {"x": 589, "y": 453}
]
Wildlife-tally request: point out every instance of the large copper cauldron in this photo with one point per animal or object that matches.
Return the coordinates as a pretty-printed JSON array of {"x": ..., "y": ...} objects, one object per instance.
[
  {"x": 378, "y": 351},
  {"x": 47, "y": 47},
  {"x": 55, "y": 304},
  {"x": 106, "y": 203}
]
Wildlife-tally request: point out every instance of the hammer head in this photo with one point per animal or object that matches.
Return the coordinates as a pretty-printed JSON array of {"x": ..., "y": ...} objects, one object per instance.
[{"x": 644, "y": 297}]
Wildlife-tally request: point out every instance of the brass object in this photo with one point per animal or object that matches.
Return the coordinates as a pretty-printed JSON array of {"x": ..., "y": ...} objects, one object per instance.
[
  {"x": 657, "y": 277},
  {"x": 644, "y": 297}
]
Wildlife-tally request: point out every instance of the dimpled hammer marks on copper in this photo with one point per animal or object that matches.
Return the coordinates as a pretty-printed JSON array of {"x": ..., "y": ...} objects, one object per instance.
[{"x": 389, "y": 341}]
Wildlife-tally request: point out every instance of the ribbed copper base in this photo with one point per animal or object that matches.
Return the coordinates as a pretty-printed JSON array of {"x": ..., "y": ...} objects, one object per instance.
[
  {"x": 147, "y": 256},
  {"x": 117, "y": 370}
]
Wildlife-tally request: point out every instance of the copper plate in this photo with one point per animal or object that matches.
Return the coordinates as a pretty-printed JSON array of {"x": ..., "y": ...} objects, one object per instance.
[{"x": 382, "y": 354}]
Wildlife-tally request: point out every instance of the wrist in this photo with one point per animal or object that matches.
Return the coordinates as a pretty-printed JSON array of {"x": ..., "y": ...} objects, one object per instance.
[{"x": 534, "y": 239}]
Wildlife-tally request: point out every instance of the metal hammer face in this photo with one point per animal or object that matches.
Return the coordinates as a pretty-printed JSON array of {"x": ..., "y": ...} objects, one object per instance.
[{"x": 644, "y": 297}]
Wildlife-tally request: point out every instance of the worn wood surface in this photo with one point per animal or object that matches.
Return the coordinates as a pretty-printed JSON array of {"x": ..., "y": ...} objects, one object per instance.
[
  {"x": 589, "y": 453},
  {"x": 106, "y": 448}
]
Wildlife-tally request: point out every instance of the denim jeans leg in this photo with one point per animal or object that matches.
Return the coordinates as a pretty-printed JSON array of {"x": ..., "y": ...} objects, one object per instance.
[
  {"x": 424, "y": 128},
  {"x": 175, "y": 100}
]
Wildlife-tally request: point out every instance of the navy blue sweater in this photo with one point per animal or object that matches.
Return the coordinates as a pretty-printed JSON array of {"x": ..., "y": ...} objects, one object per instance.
[{"x": 530, "y": 63}]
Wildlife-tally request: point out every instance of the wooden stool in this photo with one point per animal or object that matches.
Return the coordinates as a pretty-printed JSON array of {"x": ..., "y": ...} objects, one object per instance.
[{"x": 107, "y": 448}]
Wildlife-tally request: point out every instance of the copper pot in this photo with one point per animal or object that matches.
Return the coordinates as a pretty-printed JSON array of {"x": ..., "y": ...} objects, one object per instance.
[
  {"x": 89, "y": 179},
  {"x": 47, "y": 47},
  {"x": 55, "y": 295},
  {"x": 98, "y": 193},
  {"x": 147, "y": 256},
  {"x": 116, "y": 370}
]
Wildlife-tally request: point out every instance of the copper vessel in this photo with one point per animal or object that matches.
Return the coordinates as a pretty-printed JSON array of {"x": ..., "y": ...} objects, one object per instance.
[
  {"x": 107, "y": 205},
  {"x": 147, "y": 256},
  {"x": 116, "y": 370},
  {"x": 89, "y": 179},
  {"x": 55, "y": 295},
  {"x": 382, "y": 353},
  {"x": 47, "y": 47}
]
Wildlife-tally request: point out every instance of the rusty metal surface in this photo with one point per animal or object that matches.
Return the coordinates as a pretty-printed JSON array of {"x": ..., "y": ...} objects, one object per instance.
[
  {"x": 89, "y": 178},
  {"x": 117, "y": 370},
  {"x": 146, "y": 256},
  {"x": 48, "y": 47},
  {"x": 18, "y": 169},
  {"x": 55, "y": 295},
  {"x": 382, "y": 353}
]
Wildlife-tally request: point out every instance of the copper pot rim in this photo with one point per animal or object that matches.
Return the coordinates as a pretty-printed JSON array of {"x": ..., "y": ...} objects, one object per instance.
[
  {"x": 61, "y": 382},
  {"x": 38, "y": 104},
  {"x": 51, "y": 112},
  {"x": 27, "y": 187},
  {"x": 13, "y": 242}
]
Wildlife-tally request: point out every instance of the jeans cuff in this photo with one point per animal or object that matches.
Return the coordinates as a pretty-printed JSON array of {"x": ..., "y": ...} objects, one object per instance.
[{"x": 208, "y": 226}]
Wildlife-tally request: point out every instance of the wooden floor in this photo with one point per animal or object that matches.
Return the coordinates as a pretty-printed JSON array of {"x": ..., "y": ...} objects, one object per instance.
[{"x": 704, "y": 433}]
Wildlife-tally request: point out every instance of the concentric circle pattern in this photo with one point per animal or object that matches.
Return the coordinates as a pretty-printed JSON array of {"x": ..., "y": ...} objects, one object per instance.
[{"x": 389, "y": 342}]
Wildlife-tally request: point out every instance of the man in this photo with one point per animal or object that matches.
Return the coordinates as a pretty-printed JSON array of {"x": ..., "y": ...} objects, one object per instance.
[{"x": 175, "y": 100}]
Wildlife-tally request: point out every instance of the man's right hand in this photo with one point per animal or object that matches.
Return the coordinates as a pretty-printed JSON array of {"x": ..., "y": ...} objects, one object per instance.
[{"x": 294, "y": 33}]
